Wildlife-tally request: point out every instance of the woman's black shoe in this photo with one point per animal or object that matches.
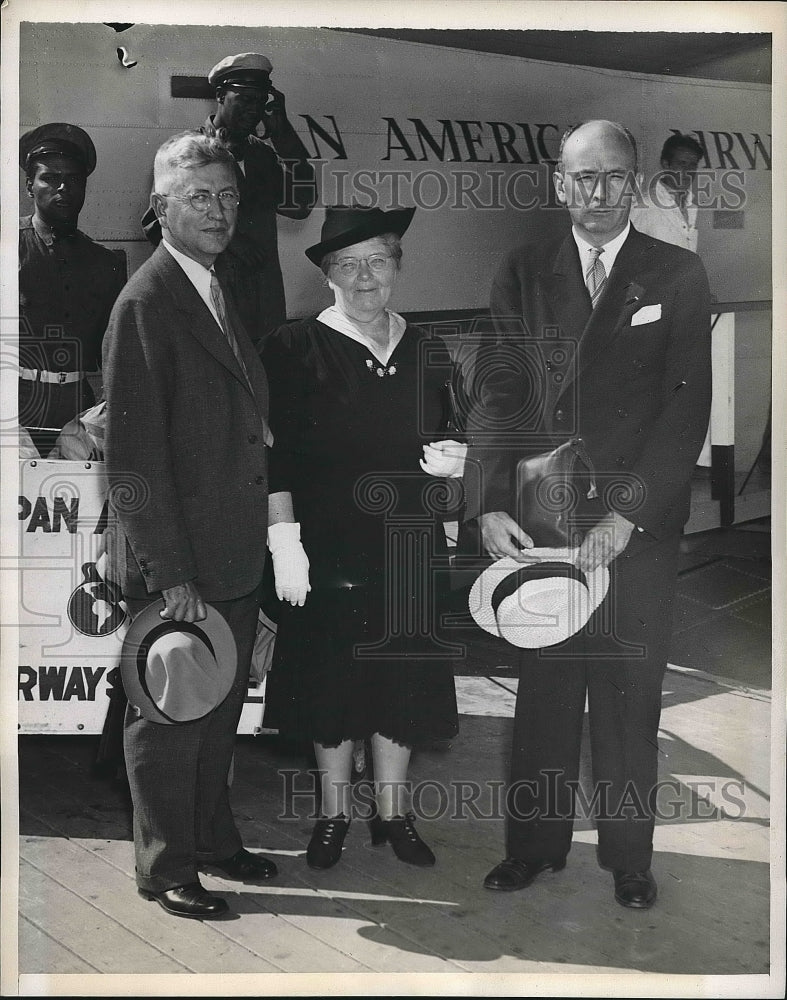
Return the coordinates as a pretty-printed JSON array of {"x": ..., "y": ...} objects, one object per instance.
[
  {"x": 401, "y": 835},
  {"x": 378, "y": 830},
  {"x": 325, "y": 846}
]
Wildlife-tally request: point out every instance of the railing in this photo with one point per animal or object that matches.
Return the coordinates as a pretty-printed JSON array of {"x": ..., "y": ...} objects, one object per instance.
[{"x": 722, "y": 419}]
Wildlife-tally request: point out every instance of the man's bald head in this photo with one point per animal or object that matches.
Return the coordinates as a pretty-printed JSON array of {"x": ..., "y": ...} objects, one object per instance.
[
  {"x": 596, "y": 178},
  {"x": 599, "y": 130}
]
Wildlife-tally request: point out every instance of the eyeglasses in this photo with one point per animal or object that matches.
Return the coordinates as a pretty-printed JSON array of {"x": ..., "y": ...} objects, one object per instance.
[
  {"x": 351, "y": 265},
  {"x": 201, "y": 201}
]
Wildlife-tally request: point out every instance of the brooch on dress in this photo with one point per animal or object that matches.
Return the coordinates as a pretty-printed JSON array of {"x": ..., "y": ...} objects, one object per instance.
[{"x": 380, "y": 370}]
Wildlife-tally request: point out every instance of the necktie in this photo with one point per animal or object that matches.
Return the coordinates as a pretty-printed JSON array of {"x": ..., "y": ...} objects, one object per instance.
[
  {"x": 596, "y": 275},
  {"x": 217, "y": 297}
]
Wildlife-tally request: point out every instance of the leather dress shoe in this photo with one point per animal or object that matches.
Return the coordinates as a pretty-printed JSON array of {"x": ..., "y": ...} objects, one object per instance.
[
  {"x": 191, "y": 900},
  {"x": 635, "y": 889},
  {"x": 513, "y": 874},
  {"x": 245, "y": 867}
]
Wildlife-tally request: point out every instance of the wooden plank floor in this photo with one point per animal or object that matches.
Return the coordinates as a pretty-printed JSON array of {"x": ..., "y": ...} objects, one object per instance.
[{"x": 80, "y": 913}]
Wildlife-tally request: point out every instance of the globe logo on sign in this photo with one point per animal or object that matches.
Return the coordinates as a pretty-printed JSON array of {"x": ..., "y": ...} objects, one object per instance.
[{"x": 94, "y": 607}]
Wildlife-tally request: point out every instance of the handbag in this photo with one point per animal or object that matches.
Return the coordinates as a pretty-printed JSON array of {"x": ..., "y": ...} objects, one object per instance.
[
  {"x": 549, "y": 489},
  {"x": 452, "y": 422}
]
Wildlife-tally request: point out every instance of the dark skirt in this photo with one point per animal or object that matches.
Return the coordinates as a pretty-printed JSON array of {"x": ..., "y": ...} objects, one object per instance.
[{"x": 343, "y": 669}]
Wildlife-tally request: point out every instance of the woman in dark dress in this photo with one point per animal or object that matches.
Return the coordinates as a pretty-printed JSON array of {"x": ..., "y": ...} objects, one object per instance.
[{"x": 358, "y": 412}]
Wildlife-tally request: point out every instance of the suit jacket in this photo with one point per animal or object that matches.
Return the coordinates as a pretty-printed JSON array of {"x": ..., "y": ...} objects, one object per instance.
[
  {"x": 185, "y": 440},
  {"x": 632, "y": 377}
]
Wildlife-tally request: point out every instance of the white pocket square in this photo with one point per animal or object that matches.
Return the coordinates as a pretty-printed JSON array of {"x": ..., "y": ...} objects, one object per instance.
[{"x": 647, "y": 314}]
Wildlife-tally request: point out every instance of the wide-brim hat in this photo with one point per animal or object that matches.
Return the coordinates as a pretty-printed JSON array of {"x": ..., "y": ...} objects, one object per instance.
[
  {"x": 246, "y": 69},
  {"x": 538, "y": 603},
  {"x": 61, "y": 139},
  {"x": 346, "y": 225},
  {"x": 175, "y": 672}
]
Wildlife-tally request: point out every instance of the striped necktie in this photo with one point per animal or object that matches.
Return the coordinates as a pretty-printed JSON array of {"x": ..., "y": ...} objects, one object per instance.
[
  {"x": 217, "y": 297},
  {"x": 596, "y": 275}
]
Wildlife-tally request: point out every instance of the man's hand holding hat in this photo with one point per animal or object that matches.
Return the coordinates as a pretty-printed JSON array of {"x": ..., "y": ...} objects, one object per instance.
[
  {"x": 503, "y": 537},
  {"x": 604, "y": 542},
  {"x": 182, "y": 603}
]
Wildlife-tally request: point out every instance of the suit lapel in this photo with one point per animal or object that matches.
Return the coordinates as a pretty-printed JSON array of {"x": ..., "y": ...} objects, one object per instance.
[
  {"x": 620, "y": 300},
  {"x": 566, "y": 292},
  {"x": 251, "y": 359},
  {"x": 201, "y": 323}
]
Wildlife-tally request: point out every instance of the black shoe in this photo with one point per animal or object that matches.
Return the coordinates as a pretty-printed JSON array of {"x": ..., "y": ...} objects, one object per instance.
[
  {"x": 245, "y": 867},
  {"x": 190, "y": 900},
  {"x": 635, "y": 889},
  {"x": 401, "y": 835},
  {"x": 378, "y": 830},
  {"x": 325, "y": 846},
  {"x": 513, "y": 874}
]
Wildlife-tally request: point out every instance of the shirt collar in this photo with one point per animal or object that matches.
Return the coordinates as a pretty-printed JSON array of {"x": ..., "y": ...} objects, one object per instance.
[
  {"x": 610, "y": 249},
  {"x": 665, "y": 191},
  {"x": 197, "y": 274},
  {"x": 47, "y": 234},
  {"x": 341, "y": 323}
]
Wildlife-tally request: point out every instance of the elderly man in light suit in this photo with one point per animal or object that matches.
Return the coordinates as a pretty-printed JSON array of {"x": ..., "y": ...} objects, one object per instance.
[
  {"x": 186, "y": 442},
  {"x": 613, "y": 330}
]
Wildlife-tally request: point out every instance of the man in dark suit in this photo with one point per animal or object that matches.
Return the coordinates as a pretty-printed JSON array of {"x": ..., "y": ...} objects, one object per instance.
[
  {"x": 618, "y": 354},
  {"x": 185, "y": 448}
]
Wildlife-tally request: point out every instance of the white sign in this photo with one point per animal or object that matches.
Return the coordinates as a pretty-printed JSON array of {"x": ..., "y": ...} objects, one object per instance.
[{"x": 72, "y": 618}]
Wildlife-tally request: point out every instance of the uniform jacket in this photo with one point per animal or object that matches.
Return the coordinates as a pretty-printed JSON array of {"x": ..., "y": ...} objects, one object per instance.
[
  {"x": 66, "y": 291},
  {"x": 185, "y": 451},
  {"x": 632, "y": 377}
]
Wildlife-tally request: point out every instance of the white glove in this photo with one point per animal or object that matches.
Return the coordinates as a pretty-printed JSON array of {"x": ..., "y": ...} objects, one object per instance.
[
  {"x": 444, "y": 458},
  {"x": 290, "y": 562}
]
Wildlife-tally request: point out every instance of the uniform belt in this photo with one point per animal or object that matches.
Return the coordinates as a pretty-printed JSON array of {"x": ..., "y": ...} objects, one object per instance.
[{"x": 58, "y": 378}]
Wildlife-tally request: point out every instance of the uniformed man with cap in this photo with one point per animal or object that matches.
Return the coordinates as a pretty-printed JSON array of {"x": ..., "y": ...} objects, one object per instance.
[
  {"x": 67, "y": 283},
  {"x": 272, "y": 179}
]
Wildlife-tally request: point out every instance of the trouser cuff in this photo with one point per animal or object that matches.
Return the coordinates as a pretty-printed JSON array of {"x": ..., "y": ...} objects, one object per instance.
[{"x": 167, "y": 880}]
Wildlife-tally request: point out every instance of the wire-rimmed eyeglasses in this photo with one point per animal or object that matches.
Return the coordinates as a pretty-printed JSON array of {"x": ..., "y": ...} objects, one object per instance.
[
  {"x": 201, "y": 201},
  {"x": 351, "y": 265}
]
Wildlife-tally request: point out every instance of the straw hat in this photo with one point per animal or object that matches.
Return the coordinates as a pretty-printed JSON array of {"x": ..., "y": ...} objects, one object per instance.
[{"x": 538, "y": 603}]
